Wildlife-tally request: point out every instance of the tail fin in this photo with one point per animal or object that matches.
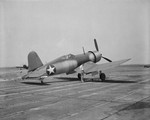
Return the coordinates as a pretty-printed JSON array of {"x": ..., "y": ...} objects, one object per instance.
[{"x": 34, "y": 61}]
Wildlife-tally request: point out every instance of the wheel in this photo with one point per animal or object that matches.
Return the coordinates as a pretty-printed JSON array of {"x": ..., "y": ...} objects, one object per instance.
[
  {"x": 103, "y": 76},
  {"x": 79, "y": 76}
]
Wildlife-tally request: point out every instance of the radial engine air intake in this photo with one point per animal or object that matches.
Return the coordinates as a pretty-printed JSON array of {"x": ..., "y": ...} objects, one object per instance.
[{"x": 95, "y": 56}]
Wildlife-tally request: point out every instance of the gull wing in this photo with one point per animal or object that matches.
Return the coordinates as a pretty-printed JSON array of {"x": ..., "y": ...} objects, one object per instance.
[{"x": 90, "y": 68}]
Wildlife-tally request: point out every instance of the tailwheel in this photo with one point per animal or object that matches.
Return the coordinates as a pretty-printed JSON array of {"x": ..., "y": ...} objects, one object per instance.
[
  {"x": 42, "y": 82},
  {"x": 24, "y": 77},
  {"x": 102, "y": 77}
]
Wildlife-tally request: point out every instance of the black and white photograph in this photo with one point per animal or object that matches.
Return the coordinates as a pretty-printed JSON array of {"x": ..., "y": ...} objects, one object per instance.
[{"x": 74, "y": 59}]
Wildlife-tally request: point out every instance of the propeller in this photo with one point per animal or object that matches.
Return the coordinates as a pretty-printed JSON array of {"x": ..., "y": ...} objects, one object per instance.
[
  {"x": 96, "y": 46},
  {"x": 107, "y": 59},
  {"x": 83, "y": 50}
]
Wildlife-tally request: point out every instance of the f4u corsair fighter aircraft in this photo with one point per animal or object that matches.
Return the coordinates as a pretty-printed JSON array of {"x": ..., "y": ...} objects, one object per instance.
[{"x": 82, "y": 64}]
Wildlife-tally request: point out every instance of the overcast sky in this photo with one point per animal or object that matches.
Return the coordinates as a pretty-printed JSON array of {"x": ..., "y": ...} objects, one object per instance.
[{"x": 56, "y": 27}]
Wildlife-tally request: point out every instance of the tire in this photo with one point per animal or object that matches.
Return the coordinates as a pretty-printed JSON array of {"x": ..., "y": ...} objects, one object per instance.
[
  {"x": 79, "y": 76},
  {"x": 103, "y": 77}
]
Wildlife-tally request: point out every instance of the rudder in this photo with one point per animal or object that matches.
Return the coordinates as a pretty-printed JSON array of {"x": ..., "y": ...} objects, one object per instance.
[{"x": 34, "y": 61}]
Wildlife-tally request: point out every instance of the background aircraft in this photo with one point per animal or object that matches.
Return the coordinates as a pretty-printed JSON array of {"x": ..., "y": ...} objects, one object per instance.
[{"x": 82, "y": 64}]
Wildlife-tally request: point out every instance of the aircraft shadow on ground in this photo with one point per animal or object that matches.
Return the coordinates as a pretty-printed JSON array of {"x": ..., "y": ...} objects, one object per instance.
[
  {"x": 35, "y": 83},
  {"x": 61, "y": 79},
  {"x": 94, "y": 80},
  {"x": 137, "y": 106},
  {"x": 119, "y": 81},
  {"x": 72, "y": 79},
  {"x": 66, "y": 79}
]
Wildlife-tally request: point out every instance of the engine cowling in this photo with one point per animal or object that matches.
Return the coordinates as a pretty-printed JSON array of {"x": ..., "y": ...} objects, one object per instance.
[
  {"x": 61, "y": 67},
  {"x": 95, "y": 56}
]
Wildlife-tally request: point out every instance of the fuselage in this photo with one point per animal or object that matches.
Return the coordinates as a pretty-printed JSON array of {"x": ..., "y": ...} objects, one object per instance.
[{"x": 67, "y": 63}]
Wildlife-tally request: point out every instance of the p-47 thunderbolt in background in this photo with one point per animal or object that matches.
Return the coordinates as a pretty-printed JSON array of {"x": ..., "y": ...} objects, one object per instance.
[{"x": 82, "y": 64}]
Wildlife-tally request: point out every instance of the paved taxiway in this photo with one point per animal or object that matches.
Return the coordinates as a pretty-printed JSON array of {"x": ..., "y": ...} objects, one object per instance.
[{"x": 125, "y": 96}]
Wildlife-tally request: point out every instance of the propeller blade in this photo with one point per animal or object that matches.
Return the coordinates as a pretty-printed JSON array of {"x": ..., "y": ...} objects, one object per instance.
[
  {"x": 96, "y": 46},
  {"x": 107, "y": 59},
  {"x": 83, "y": 50}
]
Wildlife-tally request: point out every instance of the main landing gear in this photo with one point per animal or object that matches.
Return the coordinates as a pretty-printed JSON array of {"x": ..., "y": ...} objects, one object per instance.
[
  {"x": 102, "y": 76},
  {"x": 81, "y": 77}
]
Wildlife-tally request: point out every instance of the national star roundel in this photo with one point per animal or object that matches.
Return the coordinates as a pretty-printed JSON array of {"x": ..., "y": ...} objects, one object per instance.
[{"x": 50, "y": 70}]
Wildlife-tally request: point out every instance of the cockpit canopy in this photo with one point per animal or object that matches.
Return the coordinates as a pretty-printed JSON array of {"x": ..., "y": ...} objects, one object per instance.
[{"x": 69, "y": 56}]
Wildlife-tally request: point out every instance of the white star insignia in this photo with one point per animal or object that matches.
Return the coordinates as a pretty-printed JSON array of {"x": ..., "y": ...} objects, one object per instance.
[{"x": 51, "y": 70}]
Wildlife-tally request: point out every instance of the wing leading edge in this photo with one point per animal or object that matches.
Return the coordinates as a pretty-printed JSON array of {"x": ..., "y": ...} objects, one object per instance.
[{"x": 90, "y": 68}]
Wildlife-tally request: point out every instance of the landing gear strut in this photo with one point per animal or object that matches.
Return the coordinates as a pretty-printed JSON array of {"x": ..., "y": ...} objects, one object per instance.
[
  {"x": 81, "y": 77},
  {"x": 102, "y": 76}
]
